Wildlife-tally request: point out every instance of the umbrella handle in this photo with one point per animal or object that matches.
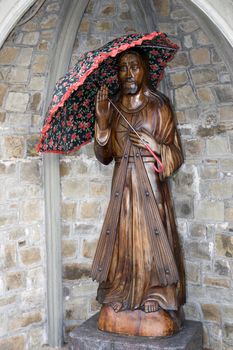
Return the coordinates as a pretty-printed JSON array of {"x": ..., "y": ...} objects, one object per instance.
[{"x": 160, "y": 168}]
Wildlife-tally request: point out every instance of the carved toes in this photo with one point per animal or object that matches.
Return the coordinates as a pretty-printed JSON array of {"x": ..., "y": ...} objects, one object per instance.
[
  {"x": 117, "y": 306},
  {"x": 151, "y": 306}
]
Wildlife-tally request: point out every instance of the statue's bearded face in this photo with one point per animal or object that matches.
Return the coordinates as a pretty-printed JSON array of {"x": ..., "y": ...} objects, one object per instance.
[{"x": 131, "y": 73}]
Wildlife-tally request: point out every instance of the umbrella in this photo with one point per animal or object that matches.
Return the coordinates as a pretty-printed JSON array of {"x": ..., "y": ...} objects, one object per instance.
[{"x": 69, "y": 123}]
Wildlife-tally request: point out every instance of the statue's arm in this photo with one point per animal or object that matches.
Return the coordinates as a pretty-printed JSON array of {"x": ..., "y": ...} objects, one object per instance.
[
  {"x": 102, "y": 146},
  {"x": 170, "y": 145}
]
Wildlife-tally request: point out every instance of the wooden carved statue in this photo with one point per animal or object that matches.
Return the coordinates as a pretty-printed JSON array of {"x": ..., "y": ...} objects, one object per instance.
[{"x": 138, "y": 261}]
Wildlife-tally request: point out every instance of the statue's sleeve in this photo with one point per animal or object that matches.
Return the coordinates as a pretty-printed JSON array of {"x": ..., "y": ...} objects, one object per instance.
[
  {"x": 168, "y": 137},
  {"x": 102, "y": 145}
]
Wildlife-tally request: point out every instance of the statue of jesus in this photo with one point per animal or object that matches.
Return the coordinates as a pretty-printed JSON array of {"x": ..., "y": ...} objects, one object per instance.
[{"x": 138, "y": 261}]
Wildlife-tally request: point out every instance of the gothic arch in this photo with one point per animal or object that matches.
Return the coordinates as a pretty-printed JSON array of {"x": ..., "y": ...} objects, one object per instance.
[{"x": 72, "y": 14}]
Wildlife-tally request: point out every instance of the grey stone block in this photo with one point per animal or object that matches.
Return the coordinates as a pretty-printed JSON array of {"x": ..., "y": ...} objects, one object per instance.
[{"x": 88, "y": 337}]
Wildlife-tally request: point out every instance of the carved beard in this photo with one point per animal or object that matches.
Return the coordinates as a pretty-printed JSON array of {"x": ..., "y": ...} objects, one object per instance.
[{"x": 129, "y": 87}]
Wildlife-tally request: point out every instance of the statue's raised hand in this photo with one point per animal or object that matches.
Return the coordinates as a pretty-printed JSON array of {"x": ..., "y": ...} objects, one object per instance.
[{"x": 102, "y": 108}]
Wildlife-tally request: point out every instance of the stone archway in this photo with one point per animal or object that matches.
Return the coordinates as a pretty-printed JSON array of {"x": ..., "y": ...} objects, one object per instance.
[
  {"x": 73, "y": 12},
  {"x": 11, "y": 12},
  {"x": 143, "y": 20}
]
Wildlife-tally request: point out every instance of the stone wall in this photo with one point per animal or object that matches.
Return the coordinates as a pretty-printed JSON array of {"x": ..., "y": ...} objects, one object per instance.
[
  {"x": 200, "y": 88},
  {"x": 23, "y": 76}
]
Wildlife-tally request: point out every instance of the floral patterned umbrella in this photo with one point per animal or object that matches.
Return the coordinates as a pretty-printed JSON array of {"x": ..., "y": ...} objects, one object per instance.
[{"x": 69, "y": 123}]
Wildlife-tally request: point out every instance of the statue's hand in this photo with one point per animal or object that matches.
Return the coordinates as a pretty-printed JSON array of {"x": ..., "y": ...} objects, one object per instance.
[
  {"x": 102, "y": 108},
  {"x": 148, "y": 138}
]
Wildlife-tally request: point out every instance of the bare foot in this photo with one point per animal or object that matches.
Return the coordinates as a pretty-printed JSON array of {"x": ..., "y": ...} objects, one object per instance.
[
  {"x": 151, "y": 306},
  {"x": 117, "y": 306}
]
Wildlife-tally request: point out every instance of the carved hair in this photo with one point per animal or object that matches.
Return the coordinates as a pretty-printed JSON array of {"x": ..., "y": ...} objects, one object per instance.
[
  {"x": 162, "y": 99},
  {"x": 143, "y": 59}
]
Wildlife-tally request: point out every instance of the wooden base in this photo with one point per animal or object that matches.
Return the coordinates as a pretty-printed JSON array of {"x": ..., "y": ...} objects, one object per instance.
[{"x": 139, "y": 323}]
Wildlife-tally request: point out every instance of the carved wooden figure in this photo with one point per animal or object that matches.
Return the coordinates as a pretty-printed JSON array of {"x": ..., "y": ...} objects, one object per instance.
[{"x": 138, "y": 261}]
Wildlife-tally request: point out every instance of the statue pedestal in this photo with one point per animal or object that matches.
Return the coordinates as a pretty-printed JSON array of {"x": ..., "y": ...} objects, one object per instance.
[
  {"x": 89, "y": 337},
  {"x": 139, "y": 323}
]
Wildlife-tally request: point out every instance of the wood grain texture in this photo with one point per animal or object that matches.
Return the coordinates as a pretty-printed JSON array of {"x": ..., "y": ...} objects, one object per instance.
[
  {"x": 138, "y": 261},
  {"x": 139, "y": 323}
]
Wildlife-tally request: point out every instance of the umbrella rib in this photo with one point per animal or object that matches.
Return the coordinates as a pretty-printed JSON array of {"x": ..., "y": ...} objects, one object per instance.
[{"x": 158, "y": 47}]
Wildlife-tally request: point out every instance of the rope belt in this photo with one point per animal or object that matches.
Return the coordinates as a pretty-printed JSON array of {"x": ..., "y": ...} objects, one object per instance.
[{"x": 145, "y": 159}]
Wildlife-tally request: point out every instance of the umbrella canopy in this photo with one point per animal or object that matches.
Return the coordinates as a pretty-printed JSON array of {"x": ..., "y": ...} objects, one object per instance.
[{"x": 69, "y": 123}]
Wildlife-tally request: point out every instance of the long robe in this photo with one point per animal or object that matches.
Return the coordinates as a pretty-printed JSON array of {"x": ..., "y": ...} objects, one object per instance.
[{"x": 138, "y": 257}]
